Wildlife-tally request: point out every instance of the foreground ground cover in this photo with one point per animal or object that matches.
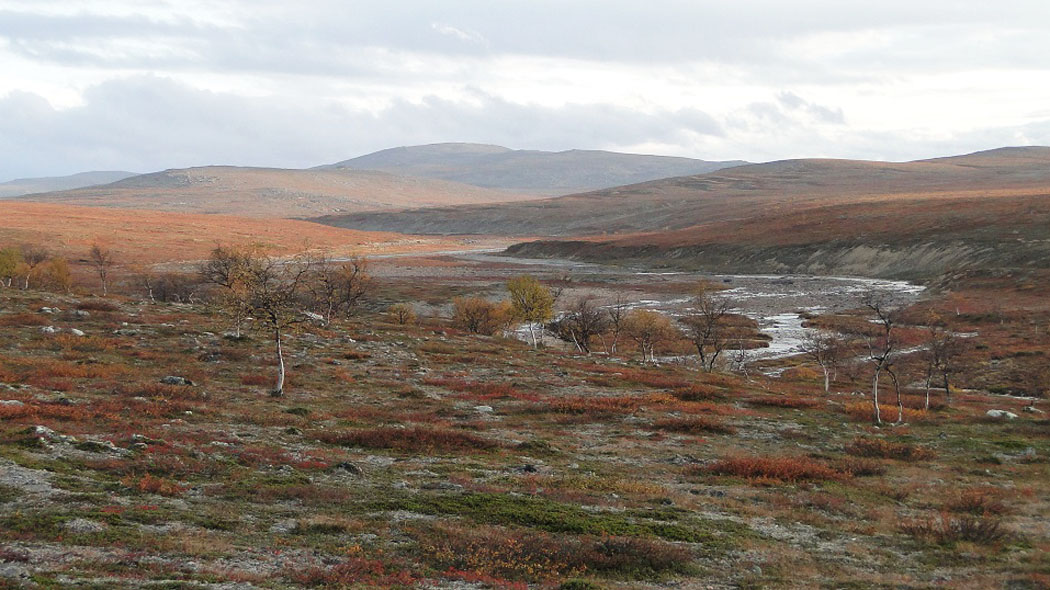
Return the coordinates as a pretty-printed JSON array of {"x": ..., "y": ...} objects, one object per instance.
[{"x": 416, "y": 455}]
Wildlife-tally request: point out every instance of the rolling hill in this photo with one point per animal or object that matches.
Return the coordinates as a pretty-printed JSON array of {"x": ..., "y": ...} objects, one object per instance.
[
  {"x": 27, "y": 186},
  {"x": 273, "y": 192},
  {"x": 912, "y": 219},
  {"x": 527, "y": 171},
  {"x": 737, "y": 193}
]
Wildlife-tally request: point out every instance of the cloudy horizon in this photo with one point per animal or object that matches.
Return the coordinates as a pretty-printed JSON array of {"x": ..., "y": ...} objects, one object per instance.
[{"x": 143, "y": 86}]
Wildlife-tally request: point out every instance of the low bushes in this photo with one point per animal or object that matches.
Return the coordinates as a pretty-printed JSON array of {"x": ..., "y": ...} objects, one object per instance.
[
  {"x": 784, "y": 402},
  {"x": 693, "y": 425},
  {"x": 884, "y": 449},
  {"x": 542, "y": 557},
  {"x": 863, "y": 412},
  {"x": 978, "y": 502},
  {"x": 792, "y": 469},
  {"x": 947, "y": 530}
]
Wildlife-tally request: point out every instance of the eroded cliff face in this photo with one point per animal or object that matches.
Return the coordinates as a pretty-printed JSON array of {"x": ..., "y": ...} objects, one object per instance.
[{"x": 920, "y": 260}]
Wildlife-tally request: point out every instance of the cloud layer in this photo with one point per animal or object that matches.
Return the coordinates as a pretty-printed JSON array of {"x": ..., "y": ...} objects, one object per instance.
[{"x": 145, "y": 86}]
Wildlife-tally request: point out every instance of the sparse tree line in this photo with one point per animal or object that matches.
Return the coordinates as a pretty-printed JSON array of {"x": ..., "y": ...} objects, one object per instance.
[
  {"x": 928, "y": 353},
  {"x": 708, "y": 327},
  {"x": 30, "y": 266},
  {"x": 276, "y": 295}
]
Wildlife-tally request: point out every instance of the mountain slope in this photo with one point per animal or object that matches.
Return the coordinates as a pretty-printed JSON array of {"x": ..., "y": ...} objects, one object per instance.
[
  {"x": 273, "y": 192},
  {"x": 26, "y": 186},
  {"x": 527, "y": 171},
  {"x": 745, "y": 192}
]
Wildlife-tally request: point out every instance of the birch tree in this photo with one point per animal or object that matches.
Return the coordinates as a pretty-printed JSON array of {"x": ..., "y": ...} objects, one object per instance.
[
  {"x": 825, "y": 349},
  {"x": 707, "y": 326},
  {"x": 102, "y": 259},
  {"x": 532, "y": 303},
  {"x": 882, "y": 352},
  {"x": 272, "y": 291}
]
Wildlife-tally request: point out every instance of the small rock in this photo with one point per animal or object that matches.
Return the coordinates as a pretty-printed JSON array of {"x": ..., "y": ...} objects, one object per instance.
[
  {"x": 49, "y": 310},
  {"x": 76, "y": 332},
  {"x": 45, "y": 433},
  {"x": 284, "y": 527},
  {"x": 348, "y": 468},
  {"x": 84, "y": 526},
  {"x": 99, "y": 446},
  {"x": 1003, "y": 414},
  {"x": 483, "y": 409},
  {"x": 1032, "y": 410},
  {"x": 50, "y": 329},
  {"x": 11, "y": 403},
  {"x": 175, "y": 380},
  {"x": 80, "y": 313}
]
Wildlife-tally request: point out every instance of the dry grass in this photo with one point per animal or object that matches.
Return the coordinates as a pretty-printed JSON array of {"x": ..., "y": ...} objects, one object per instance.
[{"x": 184, "y": 236}]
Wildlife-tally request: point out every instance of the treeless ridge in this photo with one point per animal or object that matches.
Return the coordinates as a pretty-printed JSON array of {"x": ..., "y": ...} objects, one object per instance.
[
  {"x": 273, "y": 192},
  {"x": 152, "y": 237},
  {"x": 731, "y": 195}
]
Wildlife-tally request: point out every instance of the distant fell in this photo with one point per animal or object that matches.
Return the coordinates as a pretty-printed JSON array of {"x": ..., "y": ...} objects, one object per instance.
[
  {"x": 528, "y": 171},
  {"x": 765, "y": 190},
  {"x": 274, "y": 192},
  {"x": 27, "y": 186}
]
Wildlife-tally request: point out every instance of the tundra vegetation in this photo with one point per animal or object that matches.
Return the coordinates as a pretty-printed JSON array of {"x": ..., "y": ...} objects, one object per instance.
[{"x": 137, "y": 450}]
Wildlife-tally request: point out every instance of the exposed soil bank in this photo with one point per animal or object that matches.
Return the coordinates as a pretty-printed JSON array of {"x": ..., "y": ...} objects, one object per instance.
[{"x": 912, "y": 261}]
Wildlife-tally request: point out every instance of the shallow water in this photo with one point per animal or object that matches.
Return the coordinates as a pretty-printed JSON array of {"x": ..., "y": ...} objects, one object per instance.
[{"x": 776, "y": 302}]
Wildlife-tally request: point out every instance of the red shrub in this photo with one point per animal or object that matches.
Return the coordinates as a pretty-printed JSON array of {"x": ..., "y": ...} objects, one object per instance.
[
  {"x": 884, "y": 449},
  {"x": 356, "y": 572},
  {"x": 977, "y": 501},
  {"x": 153, "y": 485},
  {"x": 784, "y": 402},
  {"x": 774, "y": 468},
  {"x": 693, "y": 425},
  {"x": 16, "y": 320},
  {"x": 947, "y": 530},
  {"x": 596, "y": 406}
]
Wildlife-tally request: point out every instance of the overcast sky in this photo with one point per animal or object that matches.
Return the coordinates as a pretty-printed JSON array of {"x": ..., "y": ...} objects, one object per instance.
[{"x": 143, "y": 86}]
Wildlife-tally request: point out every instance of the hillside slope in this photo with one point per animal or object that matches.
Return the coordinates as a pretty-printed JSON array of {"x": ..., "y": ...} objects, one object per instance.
[
  {"x": 27, "y": 186},
  {"x": 774, "y": 188},
  {"x": 273, "y": 192},
  {"x": 914, "y": 239},
  {"x": 527, "y": 171}
]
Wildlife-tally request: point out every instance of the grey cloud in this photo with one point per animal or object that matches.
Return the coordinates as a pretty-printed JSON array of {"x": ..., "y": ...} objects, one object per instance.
[
  {"x": 149, "y": 123},
  {"x": 821, "y": 113},
  {"x": 318, "y": 36}
]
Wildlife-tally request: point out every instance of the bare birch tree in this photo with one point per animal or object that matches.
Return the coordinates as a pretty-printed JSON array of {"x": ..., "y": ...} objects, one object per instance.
[
  {"x": 825, "y": 349},
  {"x": 102, "y": 259},
  {"x": 706, "y": 325}
]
